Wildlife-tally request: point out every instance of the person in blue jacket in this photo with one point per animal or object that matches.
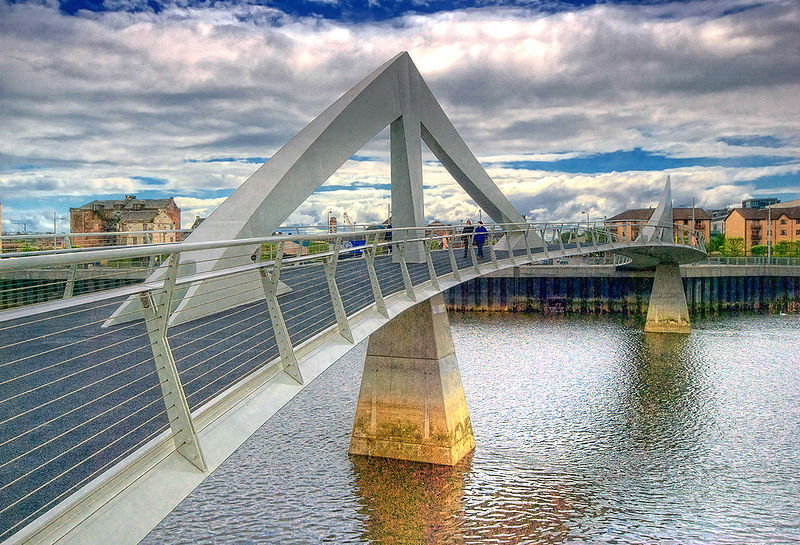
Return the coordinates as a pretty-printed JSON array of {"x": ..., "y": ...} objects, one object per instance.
[{"x": 480, "y": 237}]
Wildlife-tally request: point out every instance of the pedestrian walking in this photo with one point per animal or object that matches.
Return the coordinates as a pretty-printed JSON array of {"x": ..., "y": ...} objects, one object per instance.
[
  {"x": 466, "y": 233},
  {"x": 480, "y": 237}
]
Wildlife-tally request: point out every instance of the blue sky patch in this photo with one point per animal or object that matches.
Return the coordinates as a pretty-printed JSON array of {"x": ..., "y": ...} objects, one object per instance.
[
  {"x": 638, "y": 159},
  {"x": 752, "y": 141},
  {"x": 147, "y": 180}
]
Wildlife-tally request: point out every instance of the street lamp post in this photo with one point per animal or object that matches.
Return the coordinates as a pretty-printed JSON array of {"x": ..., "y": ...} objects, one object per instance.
[{"x": 769, "y": 234}]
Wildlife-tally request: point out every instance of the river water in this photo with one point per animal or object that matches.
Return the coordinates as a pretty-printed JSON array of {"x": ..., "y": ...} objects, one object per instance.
[{"x": 587, "y": 430}]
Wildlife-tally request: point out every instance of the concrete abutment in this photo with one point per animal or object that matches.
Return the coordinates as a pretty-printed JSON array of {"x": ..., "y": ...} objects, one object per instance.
[{"x": 411, "y": 405}]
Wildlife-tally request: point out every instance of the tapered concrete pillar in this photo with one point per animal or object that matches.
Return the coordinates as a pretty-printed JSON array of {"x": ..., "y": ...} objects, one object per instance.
[
  {"x": 411, "y": 405},
  {"x": 667, "y": 312}
]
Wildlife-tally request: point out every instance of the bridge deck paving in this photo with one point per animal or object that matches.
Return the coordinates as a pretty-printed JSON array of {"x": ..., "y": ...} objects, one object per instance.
[{"x": 79, "y": 398}]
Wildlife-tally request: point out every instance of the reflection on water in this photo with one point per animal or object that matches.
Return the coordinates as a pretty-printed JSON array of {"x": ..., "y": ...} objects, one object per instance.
[
  {"x": 407, "y": 502},
  {"x": 587, "y": 430}
]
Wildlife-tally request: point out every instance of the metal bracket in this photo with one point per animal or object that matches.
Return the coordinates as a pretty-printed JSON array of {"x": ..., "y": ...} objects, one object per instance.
[
  {"x": 404, "y": 269},
  {"x": 431, "y": 268},
  {"x": 180, "y": 419},
  {"x": 472, "y": 256},
  {"x": 338, "y": 307},
  {"x": 544, "y": 242},
  {"x": 561, "y": 239},
  {"x": 510, "y": 248},
  {"x": 269, "y": 281},
  {"x": 69, "y": 287},
  {"x": 528, "y": 244},
  {"x": 492, "y": 252},
  {"x": 377, "y": 294},
  {"x": 453, "y": 262}
]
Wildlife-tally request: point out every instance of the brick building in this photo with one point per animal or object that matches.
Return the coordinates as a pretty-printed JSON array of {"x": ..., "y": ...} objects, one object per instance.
[
  {"x": 125, "y": 215},
  {"x": 751, "y": 225},
  {"x": 682, "y": 216}
]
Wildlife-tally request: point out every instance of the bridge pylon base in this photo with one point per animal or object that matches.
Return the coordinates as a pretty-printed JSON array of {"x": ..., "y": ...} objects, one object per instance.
[
  {"x": 411, "y": 405},
  {"x": 667, "y": 311}
]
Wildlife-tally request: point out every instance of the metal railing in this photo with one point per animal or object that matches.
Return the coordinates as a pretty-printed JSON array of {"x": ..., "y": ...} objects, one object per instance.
[
  {"x": 95, "y": 375},
  {"x": 751, "y": 260}
]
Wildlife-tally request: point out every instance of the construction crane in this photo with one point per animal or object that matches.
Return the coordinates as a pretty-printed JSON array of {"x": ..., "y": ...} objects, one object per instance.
[{"x": 347, "y": 220}]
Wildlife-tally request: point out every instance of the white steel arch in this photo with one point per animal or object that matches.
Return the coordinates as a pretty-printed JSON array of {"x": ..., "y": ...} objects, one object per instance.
[{"x": 393, "y": 95}]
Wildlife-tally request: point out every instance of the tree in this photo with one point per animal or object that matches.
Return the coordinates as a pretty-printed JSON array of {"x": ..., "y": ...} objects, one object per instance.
[
  {"x": 785, "y": 248},
  {"x": 734, "y": 247},
  {"x": 716, "y": 244},
  {"x": 758, "y": 250}
]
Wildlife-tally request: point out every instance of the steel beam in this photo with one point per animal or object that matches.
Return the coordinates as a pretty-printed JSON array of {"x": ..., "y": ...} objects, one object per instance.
[
  {"x": 180, "y": 419},
  {"x": 404, "y": 269},
  {"x": 472, "y": 255},
  {"x": 453, "y": 262},
  {"x": 377, "y": 294},
  {"x": 492, "y": 253},
  {"x": 338, "y": 307},
  {"x": 431, "y": 268},
  {"x": 269, "y": 282}
]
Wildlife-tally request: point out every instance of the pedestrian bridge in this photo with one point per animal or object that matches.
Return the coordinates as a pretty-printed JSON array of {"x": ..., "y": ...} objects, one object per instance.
[{"x": 115, "y": 404}]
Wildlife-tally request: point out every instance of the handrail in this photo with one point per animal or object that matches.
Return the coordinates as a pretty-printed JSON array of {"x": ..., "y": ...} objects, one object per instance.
[
  {"x": 71, "y": 256},
  {"x": 231, "y": 329}
]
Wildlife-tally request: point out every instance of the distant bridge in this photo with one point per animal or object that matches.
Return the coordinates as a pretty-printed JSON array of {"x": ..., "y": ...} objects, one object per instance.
[{"x": 114, "y": 405}]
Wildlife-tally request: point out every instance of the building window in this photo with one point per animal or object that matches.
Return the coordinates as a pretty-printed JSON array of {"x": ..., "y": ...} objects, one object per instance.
[
  {"x": 783, "y": 231},
  {"x": 783, "y": 222}
]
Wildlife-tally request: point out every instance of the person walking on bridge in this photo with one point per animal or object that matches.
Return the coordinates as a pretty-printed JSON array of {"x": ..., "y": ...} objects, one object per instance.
[
  {"x": 480, "y": 237},
  {"x": 466, "y": 232}
]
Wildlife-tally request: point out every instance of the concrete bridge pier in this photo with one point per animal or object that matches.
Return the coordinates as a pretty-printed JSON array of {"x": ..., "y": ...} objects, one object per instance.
[
  {"x": 411, "y": 405},
  {"x": 667, "y": 311}
]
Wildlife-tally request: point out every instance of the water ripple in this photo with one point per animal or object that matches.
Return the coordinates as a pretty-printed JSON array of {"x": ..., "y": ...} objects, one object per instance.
[{"x": 587, "y": 430}]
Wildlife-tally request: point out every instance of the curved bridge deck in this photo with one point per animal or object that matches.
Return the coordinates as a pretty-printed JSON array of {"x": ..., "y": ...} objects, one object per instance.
[{"x": 83, "y": 418}]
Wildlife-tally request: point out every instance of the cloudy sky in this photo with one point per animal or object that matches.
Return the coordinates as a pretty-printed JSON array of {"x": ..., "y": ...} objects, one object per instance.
[{"x": 570, "y": 106}]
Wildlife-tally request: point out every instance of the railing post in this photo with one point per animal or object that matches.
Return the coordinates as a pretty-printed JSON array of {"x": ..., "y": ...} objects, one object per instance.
[
  {"x": 151, "y": 265},
  {"x": 507, "y": 234},
  {"x": 431, "y": 268},
  {"x": 453, "y": 262},
  {"x": 472, "y": 256},
  {"x": 527, "y": 243},
  {"x": 544, "y": 242},
  {"x": 492, "y": 252},
  {"x": 561, "y": 240},
  {"x": 269, "y": 281},
  {"x": 338, "y": 306},
  {"x": 404, "y": 269},
  {"x": 577, "y": 237},
  {"x": 180, "y": 419},
  {"x": 69, "y": 287},
  {"x": 377, "y": 294}
]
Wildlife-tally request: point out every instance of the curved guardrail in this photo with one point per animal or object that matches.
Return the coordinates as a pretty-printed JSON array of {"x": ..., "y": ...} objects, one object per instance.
[{"x": 84, "y": 407}]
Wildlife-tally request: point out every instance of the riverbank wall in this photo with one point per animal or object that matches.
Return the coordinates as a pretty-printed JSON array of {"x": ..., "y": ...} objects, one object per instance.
[{"x": 601, "y": 289}]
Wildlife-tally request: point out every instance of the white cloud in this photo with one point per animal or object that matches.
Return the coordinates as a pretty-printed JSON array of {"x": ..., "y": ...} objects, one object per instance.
[{"x": 89, "y": 102}]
